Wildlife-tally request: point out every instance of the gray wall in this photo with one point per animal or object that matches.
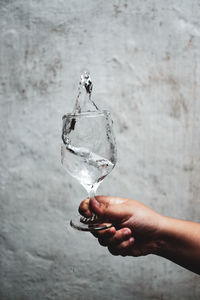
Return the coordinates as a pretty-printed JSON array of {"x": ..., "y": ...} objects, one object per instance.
[{"x": 144, "y": 59}]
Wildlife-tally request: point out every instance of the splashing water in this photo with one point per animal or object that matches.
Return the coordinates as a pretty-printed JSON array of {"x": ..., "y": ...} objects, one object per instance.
[{"x": 84, "y": 101}]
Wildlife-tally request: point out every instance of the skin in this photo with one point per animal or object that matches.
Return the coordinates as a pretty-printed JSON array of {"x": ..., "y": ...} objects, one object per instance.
[{"x": 138, "y": 230}]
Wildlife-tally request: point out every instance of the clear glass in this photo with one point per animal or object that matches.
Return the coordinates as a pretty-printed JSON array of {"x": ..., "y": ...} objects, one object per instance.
[{"x": 88, "y": 154}]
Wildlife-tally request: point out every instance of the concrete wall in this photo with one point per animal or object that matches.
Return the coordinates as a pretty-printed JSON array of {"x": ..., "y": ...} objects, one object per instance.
[{"x": 152, "y": 47}]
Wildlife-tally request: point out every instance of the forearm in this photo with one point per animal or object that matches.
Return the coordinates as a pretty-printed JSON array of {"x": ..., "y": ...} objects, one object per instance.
[{"x": 180, "y": 243}]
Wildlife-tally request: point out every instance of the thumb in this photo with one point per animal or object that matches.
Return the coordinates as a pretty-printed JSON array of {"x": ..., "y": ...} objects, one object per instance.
[
  {"x": 98, "y": 207},
  {"x": 108, "y": 208}
]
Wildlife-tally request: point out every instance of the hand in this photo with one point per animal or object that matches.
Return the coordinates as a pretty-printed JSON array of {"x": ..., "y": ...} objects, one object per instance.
[{"x": 136, "y": 228}]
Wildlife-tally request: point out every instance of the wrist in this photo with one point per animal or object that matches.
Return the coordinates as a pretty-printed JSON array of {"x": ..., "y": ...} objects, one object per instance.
[
  {"x": 169, "y": 236},
  {"x": 162, "y": 242}
]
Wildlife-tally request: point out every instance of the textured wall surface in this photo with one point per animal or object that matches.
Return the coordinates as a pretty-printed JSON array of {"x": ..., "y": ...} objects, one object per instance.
[{"x": 144, "y": 59}]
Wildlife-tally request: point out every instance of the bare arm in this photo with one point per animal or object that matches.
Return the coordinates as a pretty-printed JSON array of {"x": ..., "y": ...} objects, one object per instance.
[
  {"x": 138, "y": 230},
  {"x": 180, "y": 242}
]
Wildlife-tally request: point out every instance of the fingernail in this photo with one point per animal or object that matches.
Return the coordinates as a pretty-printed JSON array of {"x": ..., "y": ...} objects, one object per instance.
[
  {"x": 131, "y": 240},
  {"x": 126, "y": 232}
]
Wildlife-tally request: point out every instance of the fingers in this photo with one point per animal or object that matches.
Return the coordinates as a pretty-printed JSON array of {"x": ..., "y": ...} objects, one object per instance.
[
  {"x": 106, "y": 200},
  {"x": 119, "y": 236},
  {"x": 112, "y": 239},
  {"x": 104, "y": 234},
  {"x": 118, "y": 242},
  {"x": 96, "y": 205},
  {"x": 123, "y": 248},
  {"x": 104, "y": 206},
  {"x": 111, "y": 209}
]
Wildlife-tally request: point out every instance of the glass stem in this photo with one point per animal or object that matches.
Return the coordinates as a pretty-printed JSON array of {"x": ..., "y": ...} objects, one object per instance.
[{"x": 91, "y": 195}]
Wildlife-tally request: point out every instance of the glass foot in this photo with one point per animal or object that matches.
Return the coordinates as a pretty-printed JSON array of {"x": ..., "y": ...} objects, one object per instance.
[{"x": 89, "y": 224}]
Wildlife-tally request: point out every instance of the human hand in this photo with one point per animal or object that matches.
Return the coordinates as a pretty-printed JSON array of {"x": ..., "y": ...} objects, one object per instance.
[{"x": 136, "y": 228}]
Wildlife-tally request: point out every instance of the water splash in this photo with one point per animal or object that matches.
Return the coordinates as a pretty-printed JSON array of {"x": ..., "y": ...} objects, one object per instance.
[{"x": 84, "y": 102}]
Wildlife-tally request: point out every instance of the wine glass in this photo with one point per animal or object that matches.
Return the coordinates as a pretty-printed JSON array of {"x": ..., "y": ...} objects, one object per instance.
[{"x": 88, "y": 154}]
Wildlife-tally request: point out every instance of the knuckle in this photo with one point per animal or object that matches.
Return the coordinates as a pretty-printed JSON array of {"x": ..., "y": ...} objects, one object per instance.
[{"x": 114, "y": 240}]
